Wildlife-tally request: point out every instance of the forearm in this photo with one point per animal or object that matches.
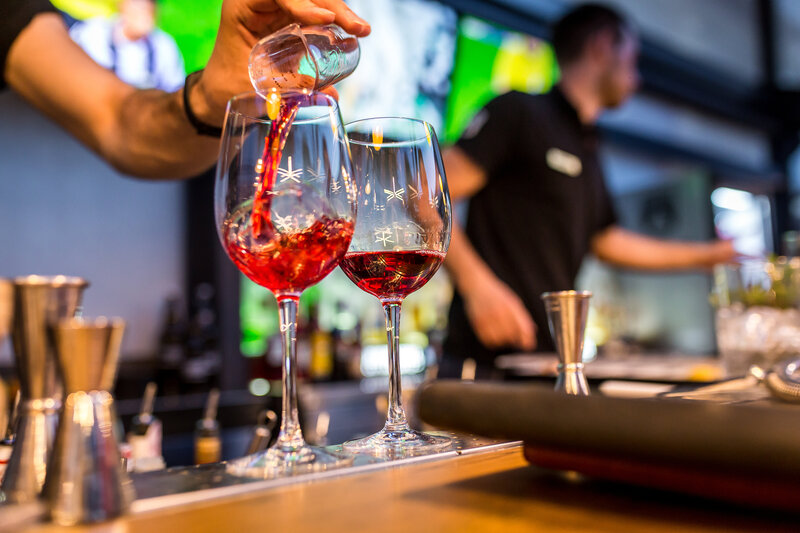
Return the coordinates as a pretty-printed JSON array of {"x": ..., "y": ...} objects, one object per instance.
[
  {"x": 463, "y": 263},
  {"x": 632, "y": 250},
  {"x": 497, "y": 315},
  {"x": 143, "y": 133},
  {"x": 155, "y": 140}
]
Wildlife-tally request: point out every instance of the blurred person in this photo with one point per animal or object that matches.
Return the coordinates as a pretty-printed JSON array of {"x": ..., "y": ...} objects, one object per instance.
[
  {"x": 132, "y": 47},
  {"x": 538, "y": 203},
  {"x": 145, "y": 132}
]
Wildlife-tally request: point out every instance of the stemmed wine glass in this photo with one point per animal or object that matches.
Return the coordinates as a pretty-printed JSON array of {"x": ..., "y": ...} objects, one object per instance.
[
  {"x": 400, "y": 240},
  {"x": 285, "y": 212}
]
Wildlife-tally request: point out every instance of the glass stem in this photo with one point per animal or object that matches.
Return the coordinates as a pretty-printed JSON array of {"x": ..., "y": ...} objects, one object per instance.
[
  {"x": 291, "y": 435},
  {"x": 396, "y": 417}
]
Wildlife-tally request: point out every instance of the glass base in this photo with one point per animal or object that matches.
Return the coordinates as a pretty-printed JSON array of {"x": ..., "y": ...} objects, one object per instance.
[
  {"x": 399, "y": 443},
  {"x": 281, "y": 462}
]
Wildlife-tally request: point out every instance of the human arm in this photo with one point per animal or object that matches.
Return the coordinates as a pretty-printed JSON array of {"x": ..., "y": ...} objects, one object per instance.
[
  {"x": 628, "y": 249},
  {"x": 496, "y": 313},
  {"x": 145, "y": 132}
]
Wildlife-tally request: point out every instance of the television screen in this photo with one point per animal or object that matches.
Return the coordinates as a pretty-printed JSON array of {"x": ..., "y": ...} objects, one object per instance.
[
  {"x": 492, "y": 60},
  {"x": 192, "y": 24}
]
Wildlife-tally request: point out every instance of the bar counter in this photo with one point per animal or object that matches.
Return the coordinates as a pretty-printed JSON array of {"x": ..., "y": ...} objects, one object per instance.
[{"x": 489, "y": 488}]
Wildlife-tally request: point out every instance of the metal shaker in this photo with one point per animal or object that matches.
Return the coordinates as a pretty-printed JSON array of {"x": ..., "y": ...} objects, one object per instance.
[
  {"x": 38, "y": 301},
  {"x": 85, "y": 481}
]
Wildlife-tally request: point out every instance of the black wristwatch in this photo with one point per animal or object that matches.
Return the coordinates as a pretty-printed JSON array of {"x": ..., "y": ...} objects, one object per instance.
[{"x": 200, "y": 127}]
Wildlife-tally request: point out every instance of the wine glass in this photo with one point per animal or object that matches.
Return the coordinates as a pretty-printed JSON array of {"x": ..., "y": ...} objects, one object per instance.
[
  {"x": 400, "y": 240},
  {"x": 285, "y": 212}
]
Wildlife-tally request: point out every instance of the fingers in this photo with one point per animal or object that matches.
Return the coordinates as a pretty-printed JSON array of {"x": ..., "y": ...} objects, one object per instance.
[
  {"x": 349, "y": 21},
  {"x": 721, "y": 251},
  {"x": 525, "y": 330},
  {"x": 331, "y": 91},
  {"x": 307, "y": 12},
  {"x": 501, "y": 320}
]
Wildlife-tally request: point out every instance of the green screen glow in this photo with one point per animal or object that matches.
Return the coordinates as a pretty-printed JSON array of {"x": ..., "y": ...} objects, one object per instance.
[{"x": 490, "y": 61}]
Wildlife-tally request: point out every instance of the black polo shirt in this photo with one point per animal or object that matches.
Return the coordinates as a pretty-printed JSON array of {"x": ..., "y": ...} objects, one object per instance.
[
  {"x": 14, "y": 16},
  {"x": 543, "y": 202}
]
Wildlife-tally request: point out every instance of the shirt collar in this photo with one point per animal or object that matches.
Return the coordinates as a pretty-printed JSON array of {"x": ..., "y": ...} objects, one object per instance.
[{"x": 569, "y": 112}]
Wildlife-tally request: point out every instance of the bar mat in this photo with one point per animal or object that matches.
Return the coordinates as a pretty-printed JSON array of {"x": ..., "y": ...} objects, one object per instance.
[{"x": 741, "y": 453}]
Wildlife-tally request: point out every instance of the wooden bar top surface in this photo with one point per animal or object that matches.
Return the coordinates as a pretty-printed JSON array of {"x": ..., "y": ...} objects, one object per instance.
[{"x": 491, "y": 491}]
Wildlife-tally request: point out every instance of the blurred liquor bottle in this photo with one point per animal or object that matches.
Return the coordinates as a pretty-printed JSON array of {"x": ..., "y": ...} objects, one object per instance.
[
  {"x": 207, "y": 441},
  {"x": 172, "y": 347},
  {"x": 321, "y": 347},
  {"x": 144, "y": 435},
  {"x": 346, "y": 341},
  {"x": 200, "y": 369}
]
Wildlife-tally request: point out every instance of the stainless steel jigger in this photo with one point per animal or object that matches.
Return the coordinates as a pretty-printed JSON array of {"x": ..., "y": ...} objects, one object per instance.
[
  {"x": 566, "y": 315},
  {"x": 85, "y": 481},
  {"x": 38, "y": 301}
]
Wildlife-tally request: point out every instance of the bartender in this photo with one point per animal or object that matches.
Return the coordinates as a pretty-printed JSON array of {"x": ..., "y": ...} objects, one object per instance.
[
  {"x": 146, "y": 133},
  {"x": 538, "y": 203}
]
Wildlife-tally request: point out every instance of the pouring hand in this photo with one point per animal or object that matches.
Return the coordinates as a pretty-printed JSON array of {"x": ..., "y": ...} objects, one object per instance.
[{"x": 242, "y": 24}]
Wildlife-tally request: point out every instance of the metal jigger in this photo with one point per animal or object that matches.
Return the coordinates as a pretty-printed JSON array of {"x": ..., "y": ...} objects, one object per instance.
[
  {"x": 38, "y": 301},
  {"x": 85, "y": 481},
  {"x": 566, "y": 315}
]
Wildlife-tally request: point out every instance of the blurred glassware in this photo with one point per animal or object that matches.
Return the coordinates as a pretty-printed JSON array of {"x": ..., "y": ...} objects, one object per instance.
[
  {"x": 6, "y": 306},
  {"x": 790, "y": 241},
  {"x": 401, "y": 237},
  {"x": 302, "y": 57},
  {"x": 757, "y": 312},
  {"x": 39, "y": 302},
  {"x": 566, "y": 316},
  {"x": 85, "y": 481}
]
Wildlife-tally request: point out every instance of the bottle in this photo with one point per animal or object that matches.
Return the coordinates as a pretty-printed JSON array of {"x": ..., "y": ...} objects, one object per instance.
[
  {"x": 303, "y": 346},
  {"x": 172, "y": 347},
  {"x": 7, "y": 442},
  {"x": 346, "y": 344},
  {"x": 144, "y": 436},
  {"x": 207, "y": 442},
  {"x": 262, "y": 435},
  {"x": 321, "y": 367},
  {"x": 201, "y": 366}
]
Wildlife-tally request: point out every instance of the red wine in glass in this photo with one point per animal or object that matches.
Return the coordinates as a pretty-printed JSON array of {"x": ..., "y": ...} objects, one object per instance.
[
  {"x": 391, "y": 275},
  {"x": 283, "y": 261},
  {"x": 285, "y": 212},
  {"x": 400, "y": 241},
  {"x": 290, "y": 262}
]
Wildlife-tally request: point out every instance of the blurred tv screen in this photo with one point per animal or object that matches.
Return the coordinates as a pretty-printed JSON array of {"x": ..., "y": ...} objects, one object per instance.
[{"x": 491, "y": 60}]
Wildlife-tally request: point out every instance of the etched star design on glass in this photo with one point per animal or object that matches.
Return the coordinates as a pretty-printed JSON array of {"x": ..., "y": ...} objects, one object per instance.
[
  {"x": 394, "y": 193},
  {"x": 283, "y": 223},
  {"x": 290, "y": 174},
  {"x": 383, "y": 235},
  {"x": 316, "y": 175}
]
